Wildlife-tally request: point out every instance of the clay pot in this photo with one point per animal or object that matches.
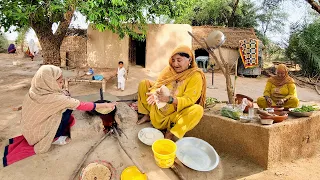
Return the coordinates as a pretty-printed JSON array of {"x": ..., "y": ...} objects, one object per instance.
[
  {"x": 276, "y": 119},
  {"x": 278, "y": 108},
  {"x": 239, "y": 98}
]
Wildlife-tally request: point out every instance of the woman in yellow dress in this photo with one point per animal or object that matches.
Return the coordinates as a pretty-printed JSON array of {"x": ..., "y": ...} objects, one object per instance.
[
  {"x": 184, "y": 108},
  {"x": 280, "y": 90}
]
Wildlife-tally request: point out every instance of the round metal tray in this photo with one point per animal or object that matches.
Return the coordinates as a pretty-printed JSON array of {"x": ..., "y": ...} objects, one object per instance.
[
  {"x": 301, "y": 114},
  {"x": 197, "y": 154}
]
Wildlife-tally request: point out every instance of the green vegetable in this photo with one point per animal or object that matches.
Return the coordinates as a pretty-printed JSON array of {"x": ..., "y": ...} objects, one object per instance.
[
  {"x": 231, "y": 113},
  {"x": 210, "y": 100},
  {"x": 305, "y": 108}
]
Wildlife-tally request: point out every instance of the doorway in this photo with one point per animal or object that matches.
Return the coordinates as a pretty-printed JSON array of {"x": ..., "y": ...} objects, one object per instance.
[
  {"x": 137, "y": 52},
  {"x": 201, "y": 52}
]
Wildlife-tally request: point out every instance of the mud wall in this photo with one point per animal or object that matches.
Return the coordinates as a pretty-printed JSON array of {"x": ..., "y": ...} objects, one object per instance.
[
  {"x": 74, "y": 48},
  {"x": 229, "y": 55},
  {"x": 266, "y": 146},
  {"x": 106, "y": 49},
  {"x": 162, "y": 40}
]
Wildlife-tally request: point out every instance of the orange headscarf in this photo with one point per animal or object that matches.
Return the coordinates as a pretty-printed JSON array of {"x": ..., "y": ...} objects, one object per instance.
[
  {"x": 168, "y": 74},
  {"x": 280, "y": 81}
]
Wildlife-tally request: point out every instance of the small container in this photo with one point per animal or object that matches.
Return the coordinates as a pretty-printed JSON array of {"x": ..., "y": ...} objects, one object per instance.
[
  {"x": 266, "y": 121},
  {"x": 251, "y": 112},
  {"x": 245, "y": 119},
  {"x": 270, "y": 110}
]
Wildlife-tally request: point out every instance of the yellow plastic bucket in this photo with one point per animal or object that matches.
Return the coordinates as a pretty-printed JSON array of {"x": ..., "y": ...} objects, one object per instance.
[
  {"x": 164, "y": 151},
  {"x": 132, "y": 173}
]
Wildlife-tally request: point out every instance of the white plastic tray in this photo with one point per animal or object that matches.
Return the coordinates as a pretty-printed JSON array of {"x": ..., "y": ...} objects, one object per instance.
[{"x": 197, "y": 154}]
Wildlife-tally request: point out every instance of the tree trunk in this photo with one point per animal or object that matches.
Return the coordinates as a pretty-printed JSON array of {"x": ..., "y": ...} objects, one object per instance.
[
  {"x": 314, "y": 5},
  {"x": 22, "y": 45},
  {"x": 50, "y": 43},
  {"x": 229, "y": 86},
  {"x": 50, "y": 50},
  {"x": 231, "y": 20}
]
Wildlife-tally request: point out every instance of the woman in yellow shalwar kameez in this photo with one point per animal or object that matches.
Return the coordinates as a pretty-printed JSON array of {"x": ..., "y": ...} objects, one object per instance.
[
  {"x": 280, "y": 90},
  {"x": 184, "y": 107}
]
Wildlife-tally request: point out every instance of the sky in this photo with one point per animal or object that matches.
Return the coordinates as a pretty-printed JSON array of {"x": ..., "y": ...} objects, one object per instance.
[{"x": 297, "y": 11}]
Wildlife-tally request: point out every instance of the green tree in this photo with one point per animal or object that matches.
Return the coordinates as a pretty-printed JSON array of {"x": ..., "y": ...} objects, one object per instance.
[
  {"x": 22, "y": 36},
  {"x": 115, "y": 15},
  {"x": 220, "y": 13},
  {"x": 3, "y": 43},
  {"x": 304, "y": 49}
]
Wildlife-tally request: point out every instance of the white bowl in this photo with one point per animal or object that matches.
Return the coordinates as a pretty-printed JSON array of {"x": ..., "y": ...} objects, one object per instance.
[
  {"x": 266, "y": 121},
  {"x": 149, "y": 135},
  {"x": 197, "y": 154},
  {"x": 245, "y": 119},
  {"x": 270, "y": 110}
]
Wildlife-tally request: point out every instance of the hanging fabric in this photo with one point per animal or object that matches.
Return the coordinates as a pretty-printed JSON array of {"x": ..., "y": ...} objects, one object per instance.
[{"x": 249, "y": 51}]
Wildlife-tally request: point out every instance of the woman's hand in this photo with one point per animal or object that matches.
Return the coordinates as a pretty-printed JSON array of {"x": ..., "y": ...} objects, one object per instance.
[
  {"x": 106, "y": 105},
  {"x": 269, "y": 101},
  {"x": 151, "y": 100},
  {"x": 280, "y": 102},
  {"x": 162, "y": 97}
]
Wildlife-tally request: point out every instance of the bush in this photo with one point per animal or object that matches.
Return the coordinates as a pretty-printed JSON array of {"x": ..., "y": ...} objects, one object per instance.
[
  {"x": 304, "y": 48},
  {"x": 3, "y": 44}
]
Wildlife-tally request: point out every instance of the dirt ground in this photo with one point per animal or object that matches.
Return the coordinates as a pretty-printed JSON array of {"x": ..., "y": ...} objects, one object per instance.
[{"x": 59, "y": 163}]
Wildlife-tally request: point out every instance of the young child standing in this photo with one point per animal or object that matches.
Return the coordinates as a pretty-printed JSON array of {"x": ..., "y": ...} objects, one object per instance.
[{"x": 121, "y": 76}]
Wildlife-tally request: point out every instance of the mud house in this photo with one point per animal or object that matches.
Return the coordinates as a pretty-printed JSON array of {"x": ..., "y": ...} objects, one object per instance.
[
  {"x": 231, "y": 45},
  {"x": 104, "y": 49},
  {"x": 73, "y": 50}
]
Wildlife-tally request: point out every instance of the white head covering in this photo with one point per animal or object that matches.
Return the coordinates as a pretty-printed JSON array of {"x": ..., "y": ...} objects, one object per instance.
[{"x": 33, "y": 47}]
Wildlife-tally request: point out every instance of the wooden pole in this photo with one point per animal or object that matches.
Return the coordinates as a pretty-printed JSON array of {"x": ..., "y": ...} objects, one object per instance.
[
  {"x": 175, "y": 169},
  {"x": 77, "y": 170},
  {"x": 223, "y": 65},
  {"x": 132, "y": 159},
  {"x": 210, "y": 52}
]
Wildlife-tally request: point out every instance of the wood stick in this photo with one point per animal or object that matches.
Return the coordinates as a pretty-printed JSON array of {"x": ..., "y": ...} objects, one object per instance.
[
  {"x": 175, "y": 169},
  {"x": 316, "y": 87},
  {"x": 77, "y": 170},
  {"x": 210, "y": 52},
  {"x": 132, "y": 159},
  {"x": 84, "y": 80}
]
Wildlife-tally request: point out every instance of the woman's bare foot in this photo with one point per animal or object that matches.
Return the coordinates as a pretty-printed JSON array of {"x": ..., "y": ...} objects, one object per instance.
[
  {"x": 168, "y": 135},
  {"x": 145, "y": 118},
  {"x": 62, "y": 140}
]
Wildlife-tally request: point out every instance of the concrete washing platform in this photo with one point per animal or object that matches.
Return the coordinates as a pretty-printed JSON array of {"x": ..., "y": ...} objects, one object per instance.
[{"x": 265, "y": 145}]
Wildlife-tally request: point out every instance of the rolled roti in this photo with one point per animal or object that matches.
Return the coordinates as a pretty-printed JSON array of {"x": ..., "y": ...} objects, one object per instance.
[
  {"x": 166, "y": 92},
  {"x": 96, "y": 171},
  {"x": 104, "y": 110}
]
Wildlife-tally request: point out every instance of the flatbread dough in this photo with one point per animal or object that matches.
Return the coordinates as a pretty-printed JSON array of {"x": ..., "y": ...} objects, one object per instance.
[
  {"x": 166, "y": 92},
  {"x": 96, "y": 171},
  {"x": 104, "y": 110}
]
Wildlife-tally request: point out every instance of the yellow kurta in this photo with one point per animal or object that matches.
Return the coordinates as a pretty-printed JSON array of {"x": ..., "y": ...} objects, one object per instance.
[
  {"x": 179, "y": 118},
  {"x": 287, "y": 91}
]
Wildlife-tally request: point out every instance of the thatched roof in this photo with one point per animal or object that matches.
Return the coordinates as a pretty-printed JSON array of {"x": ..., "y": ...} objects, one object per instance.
[
  {"x": 76, "y": 32},
  {"x": 233, "y": 35}
]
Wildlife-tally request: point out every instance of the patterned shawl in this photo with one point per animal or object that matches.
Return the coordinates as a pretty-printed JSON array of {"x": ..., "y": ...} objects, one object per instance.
[
  {"x": 169, "y": 75},
  {"x": 42, "y": 108}
]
